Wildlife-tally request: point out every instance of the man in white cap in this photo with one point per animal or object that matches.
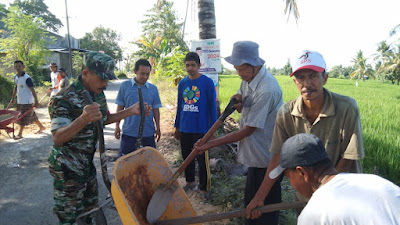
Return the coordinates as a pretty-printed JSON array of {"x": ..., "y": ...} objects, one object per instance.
[
  {"x": 336, "y": 198},
  {"x": 260, "y": 98},
  {"x": 333, "y": 118}
]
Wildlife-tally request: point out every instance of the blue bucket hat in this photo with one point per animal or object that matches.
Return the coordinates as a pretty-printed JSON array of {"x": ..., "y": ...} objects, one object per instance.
[{"x": 245, "y": 52}]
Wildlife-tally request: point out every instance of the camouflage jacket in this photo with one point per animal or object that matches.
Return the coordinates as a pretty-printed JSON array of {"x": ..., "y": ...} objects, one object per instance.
[{"x": 76, "y": 154}]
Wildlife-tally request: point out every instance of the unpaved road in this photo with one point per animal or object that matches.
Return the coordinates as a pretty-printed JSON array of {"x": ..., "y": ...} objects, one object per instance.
[{"x": 26, "y": 187}]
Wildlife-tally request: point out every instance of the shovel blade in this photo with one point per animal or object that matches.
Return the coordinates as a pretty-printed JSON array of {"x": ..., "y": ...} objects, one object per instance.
[{"x": 159, "y": 202}]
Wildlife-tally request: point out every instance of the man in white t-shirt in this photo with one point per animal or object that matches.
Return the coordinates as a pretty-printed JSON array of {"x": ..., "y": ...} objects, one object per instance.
[
  {"x": 26, "y": 99},
  {"x": 55, "y": 80},
  {"x": 336, "y": 198}
]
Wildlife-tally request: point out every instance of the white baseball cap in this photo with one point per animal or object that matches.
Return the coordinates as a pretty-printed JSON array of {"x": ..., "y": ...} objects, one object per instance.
[{"x": 309, "y": 60}]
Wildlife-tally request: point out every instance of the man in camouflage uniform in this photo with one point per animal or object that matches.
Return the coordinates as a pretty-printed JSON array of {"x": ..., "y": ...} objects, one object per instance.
[{"x": 75, "y": 137}]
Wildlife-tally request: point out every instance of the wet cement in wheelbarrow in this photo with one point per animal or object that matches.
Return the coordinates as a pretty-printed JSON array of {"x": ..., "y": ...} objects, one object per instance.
[{"x": 137, "y": 188}]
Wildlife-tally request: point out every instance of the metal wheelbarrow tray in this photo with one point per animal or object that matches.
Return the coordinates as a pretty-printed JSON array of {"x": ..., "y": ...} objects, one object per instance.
[
  {"x": 136, "y": 178},
  {"x": 12, "y": 119}
]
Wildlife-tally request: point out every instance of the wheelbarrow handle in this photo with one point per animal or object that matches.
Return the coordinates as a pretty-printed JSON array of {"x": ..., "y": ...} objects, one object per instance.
[
  {"x": 232, "y": 214},
  {"x": 228, "y": 110}
]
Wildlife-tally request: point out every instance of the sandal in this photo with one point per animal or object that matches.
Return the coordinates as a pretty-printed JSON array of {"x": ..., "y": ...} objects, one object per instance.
[
  {"x": 40, "y": 130},
  {"x": 17, "y": 137},
  {"x": 206, "y": 195},
  {"x": 191, "y": 186}
]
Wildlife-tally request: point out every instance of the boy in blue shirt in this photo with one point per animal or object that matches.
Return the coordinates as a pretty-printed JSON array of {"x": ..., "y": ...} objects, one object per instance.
[
  {"x": 127, "y": 96},
  {"x": 196, "y": 113}
]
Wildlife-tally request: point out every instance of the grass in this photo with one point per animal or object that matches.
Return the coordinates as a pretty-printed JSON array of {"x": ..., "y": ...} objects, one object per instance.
[{"x": 379, "y": 109}]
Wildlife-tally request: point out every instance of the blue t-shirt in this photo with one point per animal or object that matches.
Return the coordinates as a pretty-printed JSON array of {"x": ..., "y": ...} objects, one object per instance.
[
  {"x": 197, "y": 110},
  {"x": 127, "y": 96}
]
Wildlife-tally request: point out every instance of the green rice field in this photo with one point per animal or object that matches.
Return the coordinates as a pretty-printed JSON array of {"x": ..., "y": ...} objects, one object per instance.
[{"x": 379, "y": 105}]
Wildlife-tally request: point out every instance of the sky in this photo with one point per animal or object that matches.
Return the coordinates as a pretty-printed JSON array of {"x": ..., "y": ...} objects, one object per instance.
[{"x": 337, "y": 29}]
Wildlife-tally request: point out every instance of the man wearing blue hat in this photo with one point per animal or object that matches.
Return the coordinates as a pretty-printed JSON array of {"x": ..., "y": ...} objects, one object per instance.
[
  {"x": 75, "y": 137},
  {"x": 336, "y": 198},
  {"x": 260, "y": 97}
]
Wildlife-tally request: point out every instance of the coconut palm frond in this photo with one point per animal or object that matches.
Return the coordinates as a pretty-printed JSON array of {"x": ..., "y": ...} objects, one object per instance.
[
  {"x": 291, "y": 8},
  {"x": 394, "y": 30}
]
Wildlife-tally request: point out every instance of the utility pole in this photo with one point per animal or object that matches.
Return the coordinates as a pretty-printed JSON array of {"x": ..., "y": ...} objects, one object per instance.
[{"x": 69, "y": 43}]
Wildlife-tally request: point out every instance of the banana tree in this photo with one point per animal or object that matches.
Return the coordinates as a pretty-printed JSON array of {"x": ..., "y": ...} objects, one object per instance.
[{"x": 156, "y": 49}]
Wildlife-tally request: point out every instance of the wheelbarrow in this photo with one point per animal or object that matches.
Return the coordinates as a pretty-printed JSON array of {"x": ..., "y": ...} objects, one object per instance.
[
  {"x": 136, "y": 177},
  {"x": 12, "y": 117},
  {"x": 6, "y": 117}
]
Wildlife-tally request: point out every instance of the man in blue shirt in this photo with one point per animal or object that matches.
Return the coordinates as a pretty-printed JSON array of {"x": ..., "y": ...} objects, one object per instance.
[
  {"x": 127, "y": 96},
  {"x": 195, "y": 114}
]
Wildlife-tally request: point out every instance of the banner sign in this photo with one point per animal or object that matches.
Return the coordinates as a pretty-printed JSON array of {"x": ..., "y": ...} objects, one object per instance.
[{"x": 209, "y": 53}]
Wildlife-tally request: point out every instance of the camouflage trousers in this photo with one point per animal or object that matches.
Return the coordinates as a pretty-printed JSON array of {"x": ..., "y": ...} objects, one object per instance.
[{"x": 73, "y": 197}]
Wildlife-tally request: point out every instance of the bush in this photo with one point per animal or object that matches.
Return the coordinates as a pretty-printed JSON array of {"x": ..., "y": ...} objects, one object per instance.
[
  {"x": 6, "y": 89},
  {"x": 41, "y": 76},
  {"x": 122, "y": 76}
]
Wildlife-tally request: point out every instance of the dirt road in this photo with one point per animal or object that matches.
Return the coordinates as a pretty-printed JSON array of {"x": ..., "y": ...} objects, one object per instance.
[{"x": 26, "y": 187}]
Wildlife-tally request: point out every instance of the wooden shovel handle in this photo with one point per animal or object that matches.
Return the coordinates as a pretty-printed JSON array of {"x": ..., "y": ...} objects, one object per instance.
[
  {"x": 228, "y": 110},
  {"x": 193, "y": 154},
  {"x": 232, "y": 214}
]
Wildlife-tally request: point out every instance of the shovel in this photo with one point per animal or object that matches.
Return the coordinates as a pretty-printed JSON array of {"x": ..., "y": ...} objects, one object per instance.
[
  {"x": 162, "y": 196},
  {"x": 232, "y": 214}
]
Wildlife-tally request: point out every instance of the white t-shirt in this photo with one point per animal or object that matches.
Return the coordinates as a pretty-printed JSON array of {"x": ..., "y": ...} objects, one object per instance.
[
  {"x": 24, "y": 93},
  {"x": 356, "y": 199},
  {"x": 54, "y": 83}
]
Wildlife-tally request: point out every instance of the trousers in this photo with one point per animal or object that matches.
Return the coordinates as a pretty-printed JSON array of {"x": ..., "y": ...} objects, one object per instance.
[
  {"x": 187, "y": 141},
  {"x": 255, "y": 176}
]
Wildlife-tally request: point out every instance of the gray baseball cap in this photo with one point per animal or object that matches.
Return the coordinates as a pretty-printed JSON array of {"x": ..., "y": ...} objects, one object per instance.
[{"x": 299, "y": 150}]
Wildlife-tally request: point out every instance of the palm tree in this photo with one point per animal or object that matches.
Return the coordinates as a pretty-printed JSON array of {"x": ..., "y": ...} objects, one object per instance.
[
  {"x": 394, "y": 30},
  {"x": 381, "y": 58},
  {"x": 207, "y": 16},
  {"x": 392, "y": 65},
  {"x": 362, "y": 68},
  {"x": 207, "y": 19}
]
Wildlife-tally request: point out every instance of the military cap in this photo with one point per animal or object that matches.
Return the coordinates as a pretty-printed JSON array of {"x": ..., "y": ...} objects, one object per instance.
[{"x": 102, "y": 64}]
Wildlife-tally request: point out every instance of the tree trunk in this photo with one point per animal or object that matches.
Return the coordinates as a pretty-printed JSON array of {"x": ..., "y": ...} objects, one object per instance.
[
  {"x": 207, "y": 28},
  {"x": 207, "y": 19}
]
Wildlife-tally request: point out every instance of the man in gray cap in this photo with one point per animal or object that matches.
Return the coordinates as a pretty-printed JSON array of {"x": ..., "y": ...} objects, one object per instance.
[
  {"x": 75, "y": 137},
  {"x": 336, "y": 198},
  {"x": 260, "y": 97}
]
